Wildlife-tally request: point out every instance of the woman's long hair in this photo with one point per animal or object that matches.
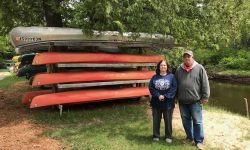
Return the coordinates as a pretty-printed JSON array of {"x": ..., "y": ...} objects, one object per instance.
[{"x": 157, "y": 71}]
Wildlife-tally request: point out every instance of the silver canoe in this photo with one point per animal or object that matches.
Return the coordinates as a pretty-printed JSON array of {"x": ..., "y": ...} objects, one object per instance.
[{"x": 26, "y": 39}]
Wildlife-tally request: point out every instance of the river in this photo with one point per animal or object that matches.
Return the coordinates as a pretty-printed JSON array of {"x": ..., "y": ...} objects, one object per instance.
[{"x": 229, "y": 96}]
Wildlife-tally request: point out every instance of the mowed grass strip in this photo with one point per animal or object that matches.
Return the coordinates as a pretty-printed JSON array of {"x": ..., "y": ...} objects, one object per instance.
[
  {"x": 122, "y": 125},
  {"x": 8, "y": 81}
]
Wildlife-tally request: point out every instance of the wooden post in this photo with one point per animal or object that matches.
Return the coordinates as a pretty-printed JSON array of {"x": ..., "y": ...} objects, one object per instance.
[
  {"x": 140, "y": 68},
  {"x": 51, "y": 68},
  {"x": 61, "y": 109},
  {"x": 246, "y": 104}
]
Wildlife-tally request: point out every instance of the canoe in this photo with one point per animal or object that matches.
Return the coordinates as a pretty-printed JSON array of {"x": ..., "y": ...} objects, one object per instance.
[
  {"x": 56, "y": 57},
  {"x": 35, "y": 38},
  {"x": 90, "y": 76},
  {"x": 28, "y": 96},
  {"x": 85, "y": 96}
]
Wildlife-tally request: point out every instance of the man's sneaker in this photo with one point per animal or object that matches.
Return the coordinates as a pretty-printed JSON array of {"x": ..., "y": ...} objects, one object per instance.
[
  {"x": 200, "y": 146},
  {"x": 188, "y": 141},
  {"x": 156, "y": 139},
  {"x": 168, "y": 140}
]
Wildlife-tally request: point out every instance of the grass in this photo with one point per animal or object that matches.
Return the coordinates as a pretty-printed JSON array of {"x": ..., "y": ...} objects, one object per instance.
[
  {"x": 217, "y": 109},
  {"x": 106, "y": 126},
  {"x": 227, "y": 72},
  {"x": 3, "y": 70},
  {"x": 240, "y": 73},
  {"x": 8, "y": 81},
  {"x": 110, "y": 125}
]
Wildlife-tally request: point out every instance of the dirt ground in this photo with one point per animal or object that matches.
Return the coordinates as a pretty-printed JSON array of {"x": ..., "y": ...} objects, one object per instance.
[
  {"x": 16, "y": 130},
  {"x": 222, "y": 131}
]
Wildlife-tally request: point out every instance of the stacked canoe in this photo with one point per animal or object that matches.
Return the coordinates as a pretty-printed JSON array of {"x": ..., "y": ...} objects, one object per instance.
[{"x": 92, "y": 72}]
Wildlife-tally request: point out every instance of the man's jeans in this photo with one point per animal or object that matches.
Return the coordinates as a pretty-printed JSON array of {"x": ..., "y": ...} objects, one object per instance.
[{"x": 191, "y": 115}]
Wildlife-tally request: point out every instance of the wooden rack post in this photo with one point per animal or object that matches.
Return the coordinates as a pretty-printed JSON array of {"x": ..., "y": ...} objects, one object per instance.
[
  {"x": 51, "y": 68},
  {"x": 246, "y": 104}
]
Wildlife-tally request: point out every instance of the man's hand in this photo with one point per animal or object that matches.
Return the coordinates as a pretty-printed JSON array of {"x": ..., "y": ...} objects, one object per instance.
[
  {"x": 204, "y": 101},
  {"x": 175, "y": 100},
  {"x": 161, "y": 98}
]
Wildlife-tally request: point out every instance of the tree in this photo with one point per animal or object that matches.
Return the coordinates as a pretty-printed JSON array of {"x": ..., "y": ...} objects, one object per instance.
[
  {"x": 196, "y": 23},
  {"x": 13, "y": 13},
  {"x": 51, "y": 13}
]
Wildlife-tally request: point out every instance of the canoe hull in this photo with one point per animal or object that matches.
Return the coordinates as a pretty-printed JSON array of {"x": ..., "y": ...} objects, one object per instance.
[
  {"x": 31, "y": 38},
  {"x": 55, "y": 58},
  {"x": 28, "y": 96},
  {"x": 70, "y": 77},
  {"x": 85, "y": 96}
]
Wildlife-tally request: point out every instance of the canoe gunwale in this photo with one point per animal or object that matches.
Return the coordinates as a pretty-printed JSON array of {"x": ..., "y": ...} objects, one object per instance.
[
  {"x": 26, "y": 48},
  {"x": 112, "y": 65},
  {"x": 95, "y": 84}
]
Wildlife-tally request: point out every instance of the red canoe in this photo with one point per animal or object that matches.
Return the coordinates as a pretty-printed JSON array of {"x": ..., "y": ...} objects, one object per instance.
[
  {"x": 56, "y": 57},
  {"x": 85, "y": 96},
  {"x": 27, "y": 97},
  {"x": 70, "y": 77}
]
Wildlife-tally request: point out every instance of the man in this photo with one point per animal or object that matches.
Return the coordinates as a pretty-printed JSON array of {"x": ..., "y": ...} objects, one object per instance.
[{"x": 193, "y": 90}]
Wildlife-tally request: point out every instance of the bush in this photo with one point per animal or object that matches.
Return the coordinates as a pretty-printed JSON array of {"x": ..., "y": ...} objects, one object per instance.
[
  {"x": 234, "y": 63},
  {"x": 223, "y": 59},
  {"x": 174, "y": 57}
]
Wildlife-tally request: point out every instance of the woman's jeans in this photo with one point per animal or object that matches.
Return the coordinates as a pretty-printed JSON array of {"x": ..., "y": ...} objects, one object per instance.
[
  {"x": 167, "y": 116},
  {"x": 191, "y": 115}
]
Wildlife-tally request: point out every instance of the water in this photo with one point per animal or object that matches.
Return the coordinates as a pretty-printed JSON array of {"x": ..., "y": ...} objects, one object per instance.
[{"x": 229, "y": 96}]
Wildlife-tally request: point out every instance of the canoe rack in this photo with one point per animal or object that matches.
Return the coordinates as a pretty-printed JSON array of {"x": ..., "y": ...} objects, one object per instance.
[{"x": 125, "y": 86}]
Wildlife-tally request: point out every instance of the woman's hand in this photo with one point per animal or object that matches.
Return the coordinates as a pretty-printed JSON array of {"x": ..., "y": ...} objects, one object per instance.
[{"x": 161, "y": 98}]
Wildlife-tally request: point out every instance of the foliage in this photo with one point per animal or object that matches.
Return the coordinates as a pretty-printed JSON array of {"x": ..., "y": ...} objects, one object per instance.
[
  {"x": 227, "y": 61},
  {"x": 15, "y": 13},
  {"x": 238, "y": 60},
  {"x": 6, "y": 51},
  {"x": 235, "y": 72},
  {"x": 20, "y": 13},
  {"x": 199, "y": 24},
  {"x": 226, "y": 58},
  {"x": 174, "y": 57}
]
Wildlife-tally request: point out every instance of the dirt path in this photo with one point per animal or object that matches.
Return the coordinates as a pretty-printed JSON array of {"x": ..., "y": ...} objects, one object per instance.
[
  {"x": 16, "y": 130},
  {"x": 222, "y": 131}
]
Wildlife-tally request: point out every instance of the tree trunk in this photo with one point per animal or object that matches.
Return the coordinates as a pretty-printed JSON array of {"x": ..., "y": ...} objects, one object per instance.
[{"x": 52, "y": 13}]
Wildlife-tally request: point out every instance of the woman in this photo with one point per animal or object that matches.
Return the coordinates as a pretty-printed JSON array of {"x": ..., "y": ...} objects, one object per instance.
[{"x": 162, "y": 87}]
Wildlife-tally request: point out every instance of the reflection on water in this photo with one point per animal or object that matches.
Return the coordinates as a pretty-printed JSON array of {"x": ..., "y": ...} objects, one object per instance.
[{"x": 229, "y": 96}]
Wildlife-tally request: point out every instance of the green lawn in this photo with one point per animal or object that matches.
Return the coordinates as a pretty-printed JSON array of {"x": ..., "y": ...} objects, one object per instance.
[
  {"x": 8, "y": 81},
  {"x": 3, "y": 70},
  {"x": 114, "y": 125},
  {"x": 228, "y": 72},
  {"x": 108, "y": 126},
  {"x": 241, "y": 73}
]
